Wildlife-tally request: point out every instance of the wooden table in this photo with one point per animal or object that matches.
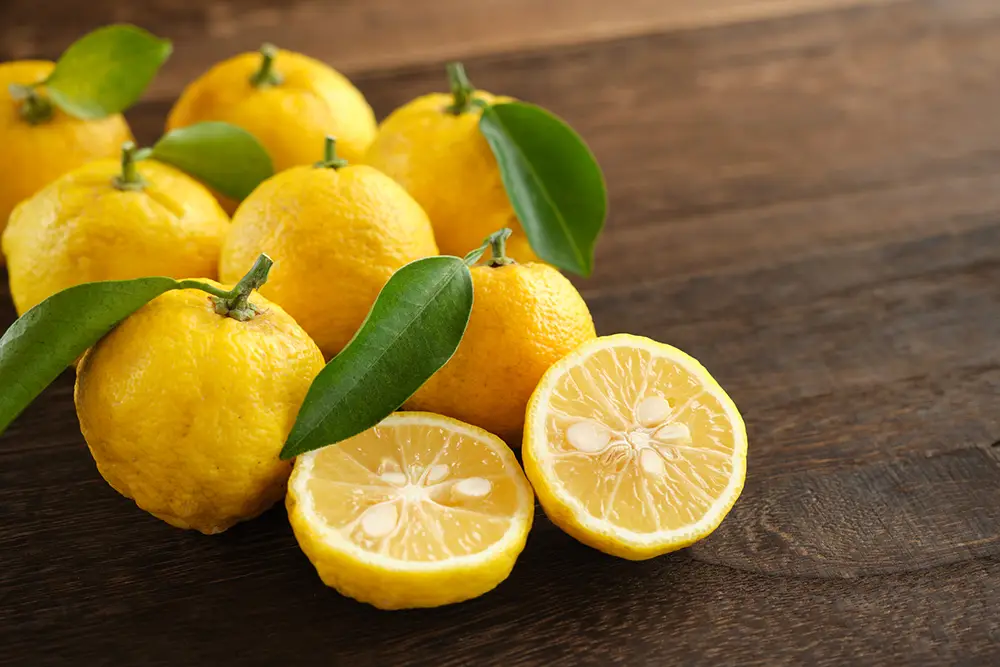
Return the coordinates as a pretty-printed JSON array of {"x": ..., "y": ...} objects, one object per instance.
[{"x": 805, "y": 194}]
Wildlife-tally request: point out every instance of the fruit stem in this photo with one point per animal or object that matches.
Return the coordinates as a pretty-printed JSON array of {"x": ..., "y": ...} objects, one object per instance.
[
  {"x": 462, "y": 89},
  {"x": 129, "y": 179},
  {"x": 330, "y": 159},
  {"x": 498, "y": 246},
  {"x": 265, "y": 75},
  {"x": 35, "y": 109},
  {"x": 236, "y": 302},
  {"x": 497, "y": 243}
]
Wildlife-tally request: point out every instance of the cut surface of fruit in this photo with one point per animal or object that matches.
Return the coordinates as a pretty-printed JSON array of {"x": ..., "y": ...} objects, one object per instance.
[
  {"x": 419, "y": 511},
  {"x": 633, "y": 448}
]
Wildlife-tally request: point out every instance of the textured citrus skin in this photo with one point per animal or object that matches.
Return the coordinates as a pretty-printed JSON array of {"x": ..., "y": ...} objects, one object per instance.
[
  {"x": 525, "y": 317},
  {"x": 290, "y": 119},
  {"x": 554, "y": 503},
  {"x": 401, "y": 588},
  {"x": 36, "y": 155},
  {"x": 336, "y": 236},
  {"x": 185, "y": 411},
  {"x": 445, "y": 163},
  {"x": 81, "y": 228}
]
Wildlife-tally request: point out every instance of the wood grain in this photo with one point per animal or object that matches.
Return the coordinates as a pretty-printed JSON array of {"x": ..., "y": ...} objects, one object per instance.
[
  {"x": 903, "y": 515},
  {"x": 357, "y": 35},
  {"x": 809, "y": 204}
]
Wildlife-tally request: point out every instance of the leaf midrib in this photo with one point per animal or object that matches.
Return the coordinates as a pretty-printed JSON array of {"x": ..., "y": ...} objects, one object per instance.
[
  {"x": 545, "y": 193},
  {"x": 326, "y": 413}
]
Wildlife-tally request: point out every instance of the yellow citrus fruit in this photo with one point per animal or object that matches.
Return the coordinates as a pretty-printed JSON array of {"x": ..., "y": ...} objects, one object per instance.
[
  {"x": 83, "y": 227},
  {"x": 185, "y": 410},
  {"x": 443, "y": 160},
  {"x": 338, "y": 234},
  {"x": 633, "y": 448},
  {"x": 419, "y": 511},
  {"x": 290, "y": 110},
  {"x": 36, "y": 154},
  {"x": 525, "y": 317}
]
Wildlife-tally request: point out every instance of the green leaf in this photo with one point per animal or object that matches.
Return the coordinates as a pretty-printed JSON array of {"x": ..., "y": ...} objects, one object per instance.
[
  {"x": 412, "y": 330},
  {"x": 44, "y": 341},
  {"x": 553, "y": 181},
  {"x": 224, "y": 157},
  {"x": 105, "y": 71}
]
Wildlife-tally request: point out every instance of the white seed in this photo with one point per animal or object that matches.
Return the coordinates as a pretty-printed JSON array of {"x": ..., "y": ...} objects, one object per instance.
[
  {"x": 436, "y": 473},
  {"x": 638, "y": 438},
  {"x": 379, "y": 520},
  {"x": 667, "y": 453},
  {"x": 652, "y": 411},
  {"x": 651, "y": 462},
  {"x": 588, "y": 436},
  {"x": 473, "y": 487},
  {"x": 673, "y": 431},
  {"x": 393, "y": 477}
]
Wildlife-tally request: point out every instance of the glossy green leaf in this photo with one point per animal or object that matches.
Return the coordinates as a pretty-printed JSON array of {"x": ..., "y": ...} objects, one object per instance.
[
  {"x": 44, "y": 341},
  {"x": 224, "y": 157},
  {"x": 553, "y": 181},
  {"x": 106, "y": 71},
  {"x": 412, "y": 330}
]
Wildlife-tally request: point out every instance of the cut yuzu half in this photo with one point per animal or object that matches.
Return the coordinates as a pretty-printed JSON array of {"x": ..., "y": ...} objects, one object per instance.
[
  {"x": 633, "y": 448},
  {"x": 419, "y": 511}
]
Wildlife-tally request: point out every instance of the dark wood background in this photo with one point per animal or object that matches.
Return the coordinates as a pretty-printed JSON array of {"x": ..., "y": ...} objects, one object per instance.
[{"x": 805, "y": 194}]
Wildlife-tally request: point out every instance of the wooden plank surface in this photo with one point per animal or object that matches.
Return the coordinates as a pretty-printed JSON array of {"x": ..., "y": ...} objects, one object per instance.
[
  {"x": 810, "y": 204},
  {"x": 358, "y": 35}
]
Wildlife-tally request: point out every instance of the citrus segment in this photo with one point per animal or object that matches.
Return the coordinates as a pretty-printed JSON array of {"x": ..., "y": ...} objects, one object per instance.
[
  {"x": 419, "y": 511},
  {"x": 633, "y": 448}
]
